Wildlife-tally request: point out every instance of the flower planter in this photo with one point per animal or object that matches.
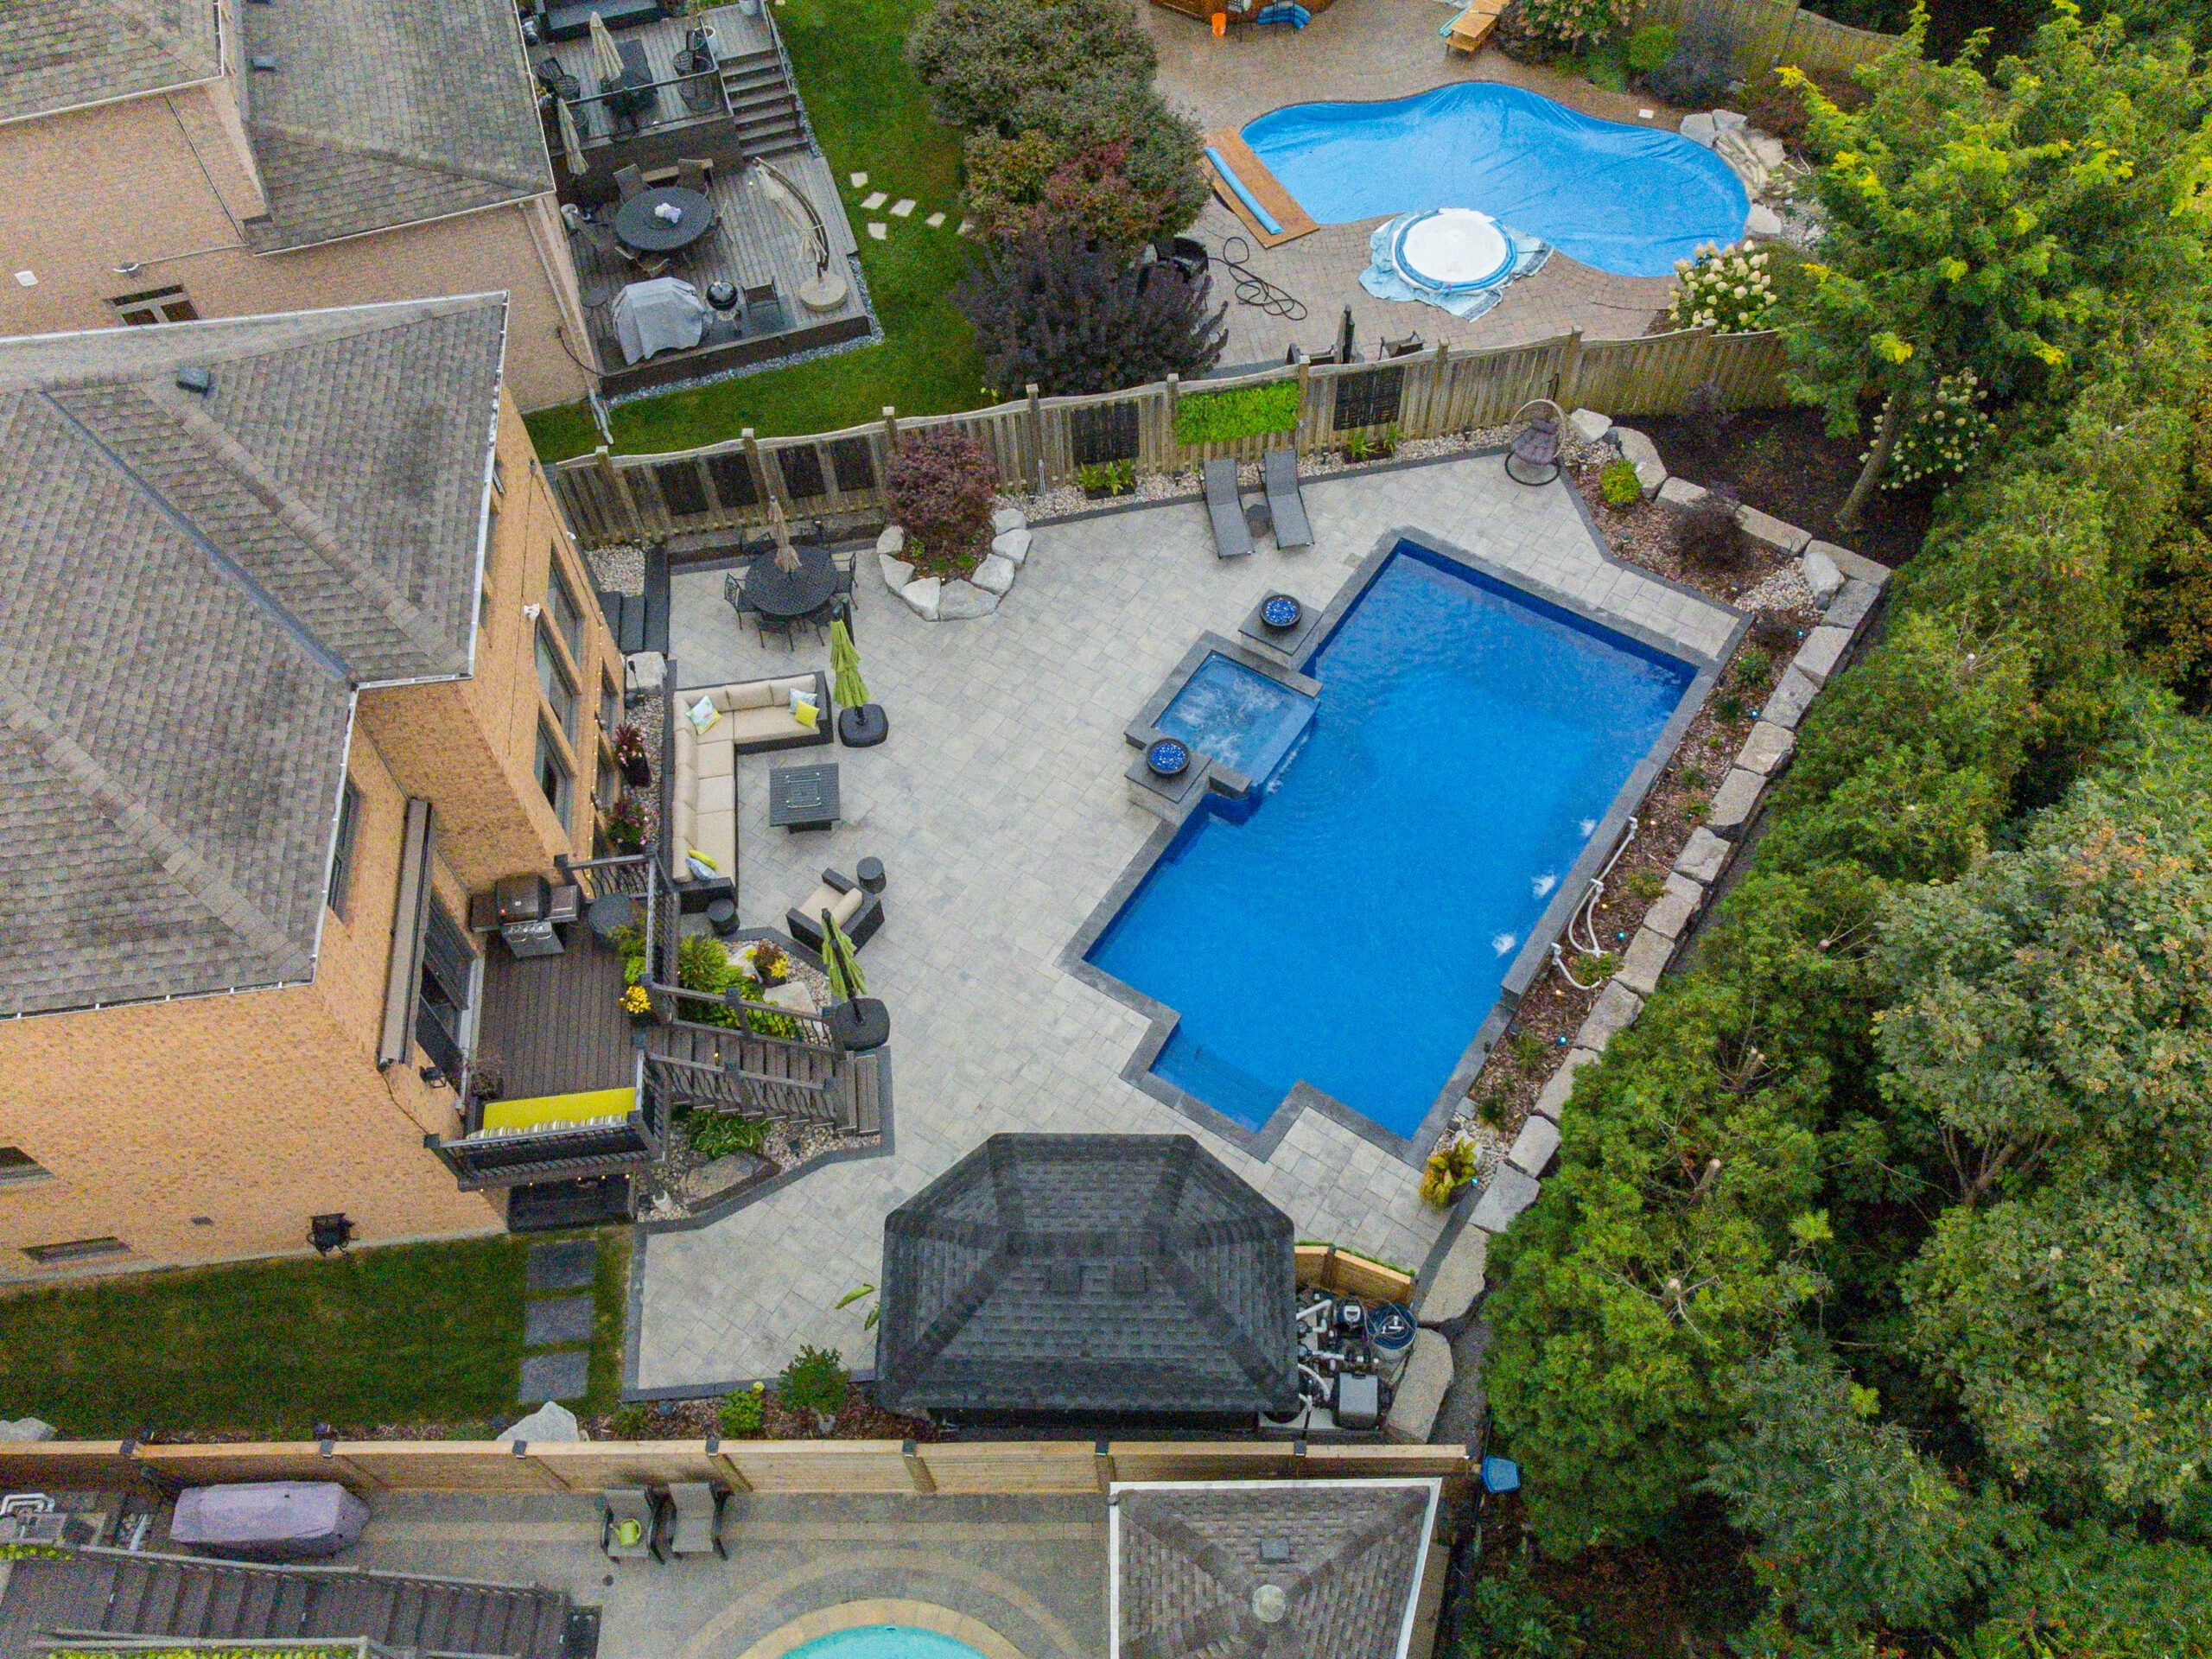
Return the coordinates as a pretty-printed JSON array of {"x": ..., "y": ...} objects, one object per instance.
[{"x": 637, "y": 771}]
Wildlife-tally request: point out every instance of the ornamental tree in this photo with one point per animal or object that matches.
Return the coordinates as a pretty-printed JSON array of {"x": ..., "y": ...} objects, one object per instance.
[{"x": 2003, "y": 222}]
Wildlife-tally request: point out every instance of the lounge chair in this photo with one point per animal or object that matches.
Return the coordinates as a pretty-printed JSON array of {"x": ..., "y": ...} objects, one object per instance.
[
  {"x": 1225, "y": 506},
  {"x": 696, "y": 1527},
  {"x": 1405, "y": 346},
  {"x": 1279, "y": 472},
  {"x": 858, "y": 912},
  {"x": 629, "y": 1527}
]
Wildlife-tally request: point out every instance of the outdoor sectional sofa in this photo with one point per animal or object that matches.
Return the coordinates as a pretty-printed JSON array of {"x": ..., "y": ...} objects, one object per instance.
[{"x": 756, "y": 718}]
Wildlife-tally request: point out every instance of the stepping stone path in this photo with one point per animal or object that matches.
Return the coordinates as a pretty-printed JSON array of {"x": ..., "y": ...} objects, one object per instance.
[
  {"x": 568, "y": 1264},
  {"x": 875, "y": 199},
  {"x": 903, "y": 206},
  {"x": 860, "y": 180},
  {"x": 879, "y": 230},
  {"x": 966, "y": 225},
  {"x": 935, "y": 221}
]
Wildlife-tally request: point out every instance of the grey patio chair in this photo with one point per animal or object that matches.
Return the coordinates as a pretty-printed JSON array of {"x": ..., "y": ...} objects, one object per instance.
[
  {"x": 630, "y": 180},
  {"x": 1231, "y": 539},
  {"x": 1279, "y": 472},
  {"x": 696, "y": 1525},
  {"x": 629, "y": 1527},
  {"x": 1404, "y": 346},
  {"x": 694, "y": 174}
]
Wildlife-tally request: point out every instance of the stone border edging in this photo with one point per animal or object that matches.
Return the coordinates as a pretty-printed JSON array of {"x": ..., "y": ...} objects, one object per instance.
[{"x": 1847, "y": 588}]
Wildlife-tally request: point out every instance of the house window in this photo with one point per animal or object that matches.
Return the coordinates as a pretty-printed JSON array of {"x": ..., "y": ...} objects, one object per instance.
[
  {"x": 341, "y": 855},
  {"x": 553, "y": 681},
  {"x": 442, "y": 994},
  {"x": 553, "y": 773},
  {"x": 18, "y": 1165},
  {"x": 610, "y": 708},
  {"x": 610, "y": 783},
  {"x": 155, "y": 305},
  {"x": 567, "y": 616},
  {"x": 78, "y": 1250}
]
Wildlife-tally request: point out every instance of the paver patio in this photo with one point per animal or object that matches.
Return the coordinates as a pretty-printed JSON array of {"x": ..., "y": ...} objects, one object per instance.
[
  {"x": 1356, "y": 52},
  {"x": 998, "y": 807}
]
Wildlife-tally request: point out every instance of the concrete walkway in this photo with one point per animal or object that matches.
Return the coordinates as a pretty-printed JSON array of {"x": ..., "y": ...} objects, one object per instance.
[
  {"x": 1358, "y": 51},
  {"x": 998, "y": 807}
]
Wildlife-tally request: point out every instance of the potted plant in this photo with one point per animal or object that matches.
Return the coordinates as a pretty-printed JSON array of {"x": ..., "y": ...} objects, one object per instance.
[
  {"x": 770, "y": 965},
  {"x": 625, "y": 824},
  {"x": 637, "y": 1003},
  {"x": 630, "y": 754},
  {"x": 816, "y": 1381}
]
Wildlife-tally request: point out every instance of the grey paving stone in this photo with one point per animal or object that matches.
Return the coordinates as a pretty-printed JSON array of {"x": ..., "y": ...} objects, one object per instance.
[
  {"x": 554, "y": 1377},
  {"x": 1853, "y": 605},
  {"x": 1680, "y": 492},
  {"x": 1552, "y": 1098},
  {"x": 1790, "y": 700},
  {"x": 1505, "y": 1195},
  {"x": 1817, "y": 658},
  {"x": 1589, "y": 424},
  {"x": 563, "y": 1319},
  {"x": 1703, "y": 856},
  {"x": 1449, "y": 1293},
  {"x": 1534, "y": 1147},
  {"x": 1764, "y": 750},
  {"x": 1421, "y": 1387},
  {"x": 1764, "y": 527},
  {"x": 1644, "y": 960},
  {"x": 1614, "y": 1012},
  {"x": 1732, "y": 805},
  {"x": 1851, "y": 564},
  {"x": 1671, "y": 912},
  {"x": 565, "y": 1264}
]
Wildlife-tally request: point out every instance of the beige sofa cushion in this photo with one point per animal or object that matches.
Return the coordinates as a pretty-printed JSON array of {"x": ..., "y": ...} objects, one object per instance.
[
  {"x": 842, "y": 905},
  {"x": 754, "y": 725},
  {"x": 715, "y": 834}
]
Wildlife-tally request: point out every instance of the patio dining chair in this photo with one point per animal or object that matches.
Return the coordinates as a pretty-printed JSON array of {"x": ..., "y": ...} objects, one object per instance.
[
  {"x": 734, "y": 594},
  {"x": 764, "y": 308},
  {"x": 696, "y": 1526},
  {"x": 647, "y": 264},
  {"x": 629, "y": 1526},
  {"x": 695, "y": 174},
  {"x": 630, "y": 180}
]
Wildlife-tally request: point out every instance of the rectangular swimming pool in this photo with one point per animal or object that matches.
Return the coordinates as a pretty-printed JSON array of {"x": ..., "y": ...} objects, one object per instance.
[{"x": 1353, "y": 931}]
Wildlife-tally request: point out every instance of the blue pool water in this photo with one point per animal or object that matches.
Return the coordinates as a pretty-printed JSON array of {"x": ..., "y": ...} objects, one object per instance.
[
  {"x": 1242, "y": 719},
  {"x": 1353, "y": 931},
  {"x": 1628, "y": 200},
  {"x": 884, "y": 1642}
]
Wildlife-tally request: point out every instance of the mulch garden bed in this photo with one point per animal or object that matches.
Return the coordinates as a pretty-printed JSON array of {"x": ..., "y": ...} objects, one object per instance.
[
  {"x": 697, "y": 1420},
  {"x": 1764, "y": 583},
  {"x": 1784, "y": 462}
]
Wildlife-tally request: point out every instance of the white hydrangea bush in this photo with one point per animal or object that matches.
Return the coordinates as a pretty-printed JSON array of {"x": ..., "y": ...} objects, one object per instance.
[
  {"x": 1729, "y": 291},
  {"x": 1942, "y": 440}
]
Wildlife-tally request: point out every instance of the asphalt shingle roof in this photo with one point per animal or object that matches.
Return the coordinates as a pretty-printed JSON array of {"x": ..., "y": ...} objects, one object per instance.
[
  {"x": 382, "y": 112},
  {"x": 1346, "y": 1555},
  {"x": 192, "y": 588},
  {"x": 1088, "y": 1273},
  {"x": 61, "y": 55}
]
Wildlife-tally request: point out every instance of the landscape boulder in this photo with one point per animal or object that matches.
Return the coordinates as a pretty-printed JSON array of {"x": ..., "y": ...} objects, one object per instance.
[{"x": 1421, "y": 1387}]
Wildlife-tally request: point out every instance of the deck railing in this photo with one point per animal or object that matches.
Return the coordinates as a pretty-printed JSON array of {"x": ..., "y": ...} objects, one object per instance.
[{"x": 1040, "y": 442}]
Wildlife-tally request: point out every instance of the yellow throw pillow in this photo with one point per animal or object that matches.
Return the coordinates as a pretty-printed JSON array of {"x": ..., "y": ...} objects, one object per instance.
[
  {"x": 702, "y": 715},
  {"x": 806, "y": 713}
]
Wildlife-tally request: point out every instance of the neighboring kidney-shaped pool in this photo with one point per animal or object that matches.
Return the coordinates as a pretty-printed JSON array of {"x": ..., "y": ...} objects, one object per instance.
[{"x": 1628, "y": 200}]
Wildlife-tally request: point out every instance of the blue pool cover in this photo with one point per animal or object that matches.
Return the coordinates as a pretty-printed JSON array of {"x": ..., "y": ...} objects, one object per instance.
[
  {"x": 884, "y": 1642},
  {"x": 1353, "y": 932},
  {"x": 1628, "y": 200}
]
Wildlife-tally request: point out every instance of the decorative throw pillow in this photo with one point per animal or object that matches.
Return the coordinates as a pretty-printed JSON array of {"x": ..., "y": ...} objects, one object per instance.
[
  {"x": 702, "y": 867},
  {"x": 702, "y": 715},
  {"x": 806, "y": 713}
]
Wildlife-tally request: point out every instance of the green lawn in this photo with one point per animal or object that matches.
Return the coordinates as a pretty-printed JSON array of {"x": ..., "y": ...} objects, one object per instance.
[
  {"x": 411, "y": 1333},
  {"x": 872, "y": 116}
]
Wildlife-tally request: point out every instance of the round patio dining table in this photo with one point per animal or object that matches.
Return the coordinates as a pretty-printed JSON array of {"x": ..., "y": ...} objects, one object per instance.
[
  {"x": 641, "y": 227},
  {"x": 791, "y": 593}
]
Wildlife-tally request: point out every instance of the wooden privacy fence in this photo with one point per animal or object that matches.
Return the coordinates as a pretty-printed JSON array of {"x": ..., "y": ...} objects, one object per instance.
[
  {"x": 827, "y": 1466},
  {"x": 1769, "y": 32},
  {"x": 1040, "y": 442}
]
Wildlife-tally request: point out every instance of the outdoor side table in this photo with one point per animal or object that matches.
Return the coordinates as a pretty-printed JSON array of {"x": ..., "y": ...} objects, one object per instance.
[
  {"x": 803, "y": 797},
  {"x": 869, "y": 873}
]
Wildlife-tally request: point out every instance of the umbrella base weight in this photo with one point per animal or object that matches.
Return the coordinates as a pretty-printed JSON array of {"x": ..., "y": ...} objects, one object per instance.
[{"x": 863, "y": 727}]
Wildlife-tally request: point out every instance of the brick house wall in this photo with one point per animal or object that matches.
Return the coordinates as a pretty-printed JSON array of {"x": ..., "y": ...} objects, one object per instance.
[
  {"x": 163, "y": 182},
  {"x": 211, "y": 1129}
]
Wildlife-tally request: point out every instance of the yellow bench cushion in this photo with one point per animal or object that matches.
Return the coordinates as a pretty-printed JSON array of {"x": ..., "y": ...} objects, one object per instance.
[{"x": 558, "y": 1111}]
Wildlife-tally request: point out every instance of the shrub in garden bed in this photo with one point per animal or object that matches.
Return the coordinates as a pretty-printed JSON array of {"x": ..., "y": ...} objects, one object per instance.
[
  {"x": 1706, "y": 535},
  {"x": 1620, "y": 483},
  {"x": 1729, "y": 291},
  {"x": 940, "y": 485},
  {"x": 1567, "y": 25},
  {"x": 1245, "y": 412}
]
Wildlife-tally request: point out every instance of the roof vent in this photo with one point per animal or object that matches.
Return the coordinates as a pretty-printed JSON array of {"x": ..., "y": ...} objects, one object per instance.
[
  {"x": 1274, "y": 1549},
  {"x": 1131, "y": 1279},
  {"x": 195, "y": 379},
  {"x": 1064, "y": 1278},
  {"x": 264, "y": 61},
  {"x": 1269, "y": 1603}
]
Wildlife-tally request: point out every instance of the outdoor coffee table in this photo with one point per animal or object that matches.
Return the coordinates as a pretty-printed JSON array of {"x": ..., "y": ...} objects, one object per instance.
[{"x": 803, "y": 797}]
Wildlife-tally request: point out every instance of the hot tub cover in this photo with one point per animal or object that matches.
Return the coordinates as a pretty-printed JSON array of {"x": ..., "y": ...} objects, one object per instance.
[{"x": 302, "y": 1516}]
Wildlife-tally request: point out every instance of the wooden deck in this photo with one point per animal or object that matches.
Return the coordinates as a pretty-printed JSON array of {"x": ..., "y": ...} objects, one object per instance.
[
  {"x": 555, "y": 1023},
  {"x": 1266, "y": 189},
  {"x": 751, "y": 243},
  {"x": 689, "y": 103}
]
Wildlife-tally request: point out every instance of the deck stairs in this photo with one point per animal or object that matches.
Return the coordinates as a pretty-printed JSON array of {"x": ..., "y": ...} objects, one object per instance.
[
  {"x": 763, "y": 105},
  {"x": 718, "y": 1069},
  {"x": 113, "y": 1592}
]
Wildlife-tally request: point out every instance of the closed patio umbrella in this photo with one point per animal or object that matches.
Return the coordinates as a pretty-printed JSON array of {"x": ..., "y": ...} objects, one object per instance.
[
  {"x": 572, "y": 142},
  {"x": 846, "y": 686},
  {"x": 604, "y": 52},
  {"x": 846, "y": 980},
  {"x": 786, "y": 554}
]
